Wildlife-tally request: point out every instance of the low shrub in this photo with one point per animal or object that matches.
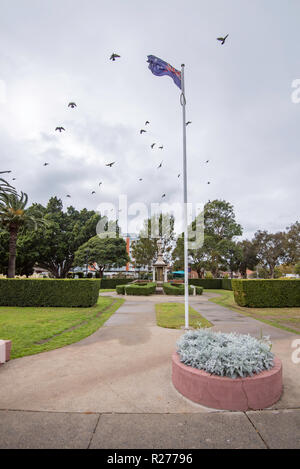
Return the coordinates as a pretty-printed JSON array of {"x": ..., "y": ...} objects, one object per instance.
[
  {"x": 49, "y": 292},
  {"x": 267, "y": 293},
  {"x": 207, "y": 283},
  {"x": 110, "y": 283},
  {"x": 120, "y": 289},
  {"x": 175, "y": 289},
  {"x": 226, "y": 284},
  {"x": 231, "y": 355},
  {"x": 140, "y": 290}
]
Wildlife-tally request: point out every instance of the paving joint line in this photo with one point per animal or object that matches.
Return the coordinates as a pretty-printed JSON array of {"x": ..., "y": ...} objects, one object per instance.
[{"x": 257, "y": 431}]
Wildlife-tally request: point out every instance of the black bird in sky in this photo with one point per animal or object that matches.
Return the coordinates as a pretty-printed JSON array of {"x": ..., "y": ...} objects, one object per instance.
[
  {"x": 60, "y": 129},
  {"x": 110, "y": 164},
  {"x": 208, "y": 182},
  {"x": 222, "y": 39},
  {"x": 46, "y": 164},
  {"x": 207, "y": 161},
  {"x": 140, "y": 179},
  {"x": 160, "y": 148},
  {"x": 100, "y": 184},
  {"x": 94, "y": 192},
  {"x": 4, "y": 172},
  {"x": 164, "y": 195},
  {"x": 160, "y": 165},
  {"x": 14, "y": 179},
  {"x": 142, "y": 131},
  {"x": 68, "y": 196},
  {"x": 188, "y": 122},
  {"x": 114, "y": 56},
  {"x": 178, "y": 175},
  {"x": 147, "y": 122},
  {"x": 152, "y": 146},
  {"x": 72, "y": 105}
]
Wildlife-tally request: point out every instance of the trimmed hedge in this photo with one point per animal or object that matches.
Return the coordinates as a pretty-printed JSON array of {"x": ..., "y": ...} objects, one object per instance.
[
  {"x": 120, "y": 289},
  {"x": 226, "y": 284},
  {"x": 208, "y": 283},
  {"x": 113, "y": 282},
  {"x": 140, "y": 290},
  {"x": 175, "y": 290},
  {"x": 267, "y": 293},
  {"x": 49, "y": 292}
]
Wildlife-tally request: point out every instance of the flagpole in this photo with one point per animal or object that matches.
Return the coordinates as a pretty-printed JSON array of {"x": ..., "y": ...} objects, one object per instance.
[{"x": 186, "y": 264}]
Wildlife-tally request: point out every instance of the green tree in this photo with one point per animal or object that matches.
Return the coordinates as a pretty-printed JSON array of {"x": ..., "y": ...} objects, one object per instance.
[
  {"x": 66, "y": 231},
  {"x": 103, "y": 253},
  {"x": 220, "y": 229},
  {"x": 15, "y": 217},
  {"x": 249, "y": 258},
  {"x": 144, "y": 249},
  {"x": 293, "y": 243},
  {"x": 271, "y": 250}
]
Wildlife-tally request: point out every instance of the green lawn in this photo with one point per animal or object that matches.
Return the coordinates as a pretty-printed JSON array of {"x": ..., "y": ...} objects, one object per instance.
[
  {"x": 171, "y": 315},
  {"x": 35, "y": 330},
  {"x": 283, "y": 318},
  {"x": 105, "y": 290}
]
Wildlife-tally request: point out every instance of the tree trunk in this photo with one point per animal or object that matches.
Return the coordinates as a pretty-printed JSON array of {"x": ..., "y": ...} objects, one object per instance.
[{"x": 13, "y": 235}]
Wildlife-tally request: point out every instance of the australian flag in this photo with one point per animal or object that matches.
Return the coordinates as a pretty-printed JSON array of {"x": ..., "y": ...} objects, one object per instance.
[{"x": 159, "y": 68}]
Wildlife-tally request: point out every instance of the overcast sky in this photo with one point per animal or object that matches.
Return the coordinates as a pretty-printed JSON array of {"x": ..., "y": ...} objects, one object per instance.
[{"x": 238, "y": 99}]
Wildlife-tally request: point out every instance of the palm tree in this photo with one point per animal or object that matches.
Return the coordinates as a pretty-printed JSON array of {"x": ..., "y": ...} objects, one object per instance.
[
  {"x": 14, "y": 216},
  {"x": 5, "y": 188}
]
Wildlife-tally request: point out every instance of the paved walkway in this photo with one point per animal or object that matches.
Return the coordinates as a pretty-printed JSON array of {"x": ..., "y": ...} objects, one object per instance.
[{"x": 125, "y": 368}]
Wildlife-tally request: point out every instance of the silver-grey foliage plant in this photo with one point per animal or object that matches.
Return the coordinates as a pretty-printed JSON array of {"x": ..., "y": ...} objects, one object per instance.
[{"x": 232, "y": 355}]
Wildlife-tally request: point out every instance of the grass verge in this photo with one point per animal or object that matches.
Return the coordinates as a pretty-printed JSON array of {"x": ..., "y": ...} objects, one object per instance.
[
  {"x": 35, "y": 330},
  {"x": 171, "y": 315},
  {"x": 287, "y": 319}
]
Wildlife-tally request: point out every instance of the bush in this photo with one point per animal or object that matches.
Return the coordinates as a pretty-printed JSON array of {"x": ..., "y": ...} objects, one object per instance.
[
  {"x": 80, "y": 274},
  {"x": 208, "y": 283},
  {"x": 175, "y": 289},
  {"x": 140, "y": 290},
  {"x": 120, "y": 289},
  {"x": 49, "y": 292},
  {"x": 231, "y": 355},
  {"x": 226, "y": 284},
  {"x": 199, "y": 290},
  {"x": 110, "y": 283},
  {"x": 267, "y": 293}
]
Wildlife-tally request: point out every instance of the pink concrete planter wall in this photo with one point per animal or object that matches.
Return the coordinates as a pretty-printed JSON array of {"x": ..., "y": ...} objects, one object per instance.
[
  {"x": 241, "y": 394},
  {"x": 7, "y": 351}
]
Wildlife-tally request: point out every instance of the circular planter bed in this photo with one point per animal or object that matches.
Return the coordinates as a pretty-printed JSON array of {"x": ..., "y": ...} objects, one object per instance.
[{"x": 253, "y": 392}]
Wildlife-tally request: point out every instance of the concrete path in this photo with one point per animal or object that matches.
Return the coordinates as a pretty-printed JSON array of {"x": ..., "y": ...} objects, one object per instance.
[
  {"x": 228, "y": 430},
  {"x": 125, "y": 368}
]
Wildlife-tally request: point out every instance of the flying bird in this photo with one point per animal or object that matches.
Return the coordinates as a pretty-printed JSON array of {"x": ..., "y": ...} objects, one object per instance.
[
  {"x": 178, "y": 175},
  {"x": 208, "y": 182},
  {"x": 72, "y": 105},
  {"x": 45, "y": 164},
  {"x": 94, "y": 192},
  {"x": 140, "y": 179},
  {"x": 222, "y": 39},
  {"x": 14, "y": 179},
  {"x": 4, "y": 172},
  {"x": 160, "y": 148},
  {"x": 188, "y": 122},
  {"x": 164, "y": 195},
  {"x": 60, "y": 129},
  {"x": 110, "y": 164},
  {"x": 152, "y": 146},
  {"x": 114, "y": 56},
  {"x": 142, "y": 131},
  {"x": 207, "y": 161},
  {"x": 68, "y": 196},
  {"x": 100, "y": 184},
  {"x": 160, "y": 165},
  {"x": 147, "y": 122}
]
